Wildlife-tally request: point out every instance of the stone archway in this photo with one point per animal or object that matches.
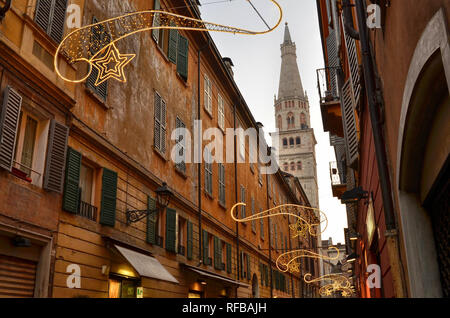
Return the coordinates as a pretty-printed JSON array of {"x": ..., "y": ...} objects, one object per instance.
[{"x": 421, "y": 153}]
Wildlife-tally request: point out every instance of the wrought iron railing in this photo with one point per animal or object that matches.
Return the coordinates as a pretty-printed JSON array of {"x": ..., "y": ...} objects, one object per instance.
[
  {"x": 326, "y": 79},
  {"x": 88, "y": 211}
]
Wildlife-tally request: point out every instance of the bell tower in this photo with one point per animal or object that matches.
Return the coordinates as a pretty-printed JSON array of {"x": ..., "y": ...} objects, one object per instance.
[{"x": 296, "y": 141}]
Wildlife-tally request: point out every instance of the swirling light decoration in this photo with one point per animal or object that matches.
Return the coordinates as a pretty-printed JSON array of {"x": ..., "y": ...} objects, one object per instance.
[
  {"x": 288, "y": 261},
  {"x": 81, "y": 45},
  {"x": 338, "y": 283},
  {"x": 302, "y": 227}
]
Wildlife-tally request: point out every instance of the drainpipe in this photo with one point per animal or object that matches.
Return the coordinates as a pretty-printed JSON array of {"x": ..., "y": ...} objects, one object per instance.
[
  {"x": 199, "y": 165},
  {"x": 380, "y": 151},
  {"x": 5, "y": 9},
  {"x": 348, "y": 20},
  {"x": 269, "y": 149}
]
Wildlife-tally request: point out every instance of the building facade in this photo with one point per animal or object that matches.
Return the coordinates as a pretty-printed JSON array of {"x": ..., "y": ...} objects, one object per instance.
[
  {"x": 77, "y": 159},
  {"x": 385, "y": 130}
]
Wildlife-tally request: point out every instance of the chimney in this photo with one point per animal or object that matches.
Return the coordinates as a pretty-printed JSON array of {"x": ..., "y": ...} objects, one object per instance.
[{"x": 229, "y": 64}]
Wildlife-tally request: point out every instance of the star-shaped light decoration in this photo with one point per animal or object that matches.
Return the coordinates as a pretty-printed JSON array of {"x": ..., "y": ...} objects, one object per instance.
[{"x": 111, "y": 65}]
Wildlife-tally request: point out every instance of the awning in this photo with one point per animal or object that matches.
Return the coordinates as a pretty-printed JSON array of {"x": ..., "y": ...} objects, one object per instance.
[
  {"x": 215, "y": 276},
  {"x": 145, "y": 265}
]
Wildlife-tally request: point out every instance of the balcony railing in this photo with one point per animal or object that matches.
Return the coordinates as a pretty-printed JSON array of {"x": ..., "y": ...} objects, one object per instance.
[
  {"x": 326, "y": 84},
  {"x": 88, "y": 211}
]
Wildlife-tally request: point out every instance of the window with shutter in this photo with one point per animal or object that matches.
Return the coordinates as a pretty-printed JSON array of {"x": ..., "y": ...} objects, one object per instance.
[
  {"x": 51, "y": 16},
  {"x": 207, "y": 95},
  {"x": 160, "y": 124},
  {"x": 151, "y": 221},
  {"x": 217, "y": 253},
  {"x": 71, "y": 194},
  {"x": 108, "y": 198},
  {"x": 333, "y": 62},
  {"x": 228, "y": 247},
  {"x": 190, "y": 242},
  {"x": 221, "y": 112},
  {"x": 253, "y": 212},
  {"x": 208, "y": 171},
  {"x": 183, "y": 57},
  {"x": 249, "y": 274},
  {"x": 205, "y": 247},
  {"x": 56, "y": 157},
  {"x": 9, "y": 122},
  {"x": 353, "y": 63},
  {"x": 349, "y": 123},
  {"x": 99, "y": 38},
  {"x": 243, "y": 212},
  {"x": 156, "y": 22},
  {"x": 173, "y": 45},
  {"x": 181, "y": 145},
  {"x": 171, "y": 226},
  {"x": 261, "y": 230},
  {"x": 222, "y": 184}
]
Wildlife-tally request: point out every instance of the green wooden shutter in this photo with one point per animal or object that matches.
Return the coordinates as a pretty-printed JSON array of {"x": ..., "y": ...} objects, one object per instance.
[
  {"x": 261, "y": 273},
  {"x": 189, "y": 247},
  {"x": 151, "y": 221},
  {"x": 266, "y": 275},
  {"x": 171, "y": 220},
  {"x": 56, "y": 157},
  {"x": 109, "y": 197},
  {"x": 9, "y": 122},
  {"x": 248, "y": 267},
  {"x": 217, "y": 260},
  {"x": 182, "y": 56},
  {"x": 71, "y": 194},
  {"x": 205, "y": 247},
  {"x": 156, "y": 21},
  {"x": 173, "y": 44},
  {"x": 228, "y": 258}
]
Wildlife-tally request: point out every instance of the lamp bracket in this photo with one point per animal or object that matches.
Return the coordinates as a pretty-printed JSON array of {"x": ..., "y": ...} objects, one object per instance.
[{"x": 134, "y": 216}]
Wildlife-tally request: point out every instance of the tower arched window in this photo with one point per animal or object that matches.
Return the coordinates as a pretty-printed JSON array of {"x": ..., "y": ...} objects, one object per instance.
[
  {"x": 291, "y": 142},
  {"x": 291, "y": 120},
  {"x": 280, "y": 122},
  {"x": 285, "y": 166},
  {"x": 292, "y": 166},
  {"x": 303, "y": 123},
  {"x": 299, "y": 165},
  {"x": 298, "y": 141},
  {"x": 285, "y": 142}
]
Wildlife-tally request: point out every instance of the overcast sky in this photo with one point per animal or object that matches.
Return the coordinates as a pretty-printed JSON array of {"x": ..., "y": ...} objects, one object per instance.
[{"x": 257, "y": 61}]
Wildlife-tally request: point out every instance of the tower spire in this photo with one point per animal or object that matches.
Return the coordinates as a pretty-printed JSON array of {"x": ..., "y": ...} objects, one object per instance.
[
  {"x": 287, "y": 35},
  {"x": 290, "y": 81}
]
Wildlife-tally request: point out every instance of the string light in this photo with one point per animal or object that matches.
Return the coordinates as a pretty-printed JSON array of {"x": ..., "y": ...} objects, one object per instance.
[{"x": 77, "y": 45}]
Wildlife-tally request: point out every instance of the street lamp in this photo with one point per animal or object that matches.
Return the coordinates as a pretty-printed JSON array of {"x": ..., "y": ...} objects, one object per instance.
[{"x": 163, "y": 196}]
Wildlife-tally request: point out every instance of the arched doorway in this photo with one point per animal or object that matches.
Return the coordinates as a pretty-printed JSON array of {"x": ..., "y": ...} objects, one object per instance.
[
  {"x": 422, "y": 164},
  {"x": 255, "y": 286}
]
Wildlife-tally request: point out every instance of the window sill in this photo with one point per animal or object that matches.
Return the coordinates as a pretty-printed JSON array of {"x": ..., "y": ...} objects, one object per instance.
[
  {"x": 208, "y": 112},
  {"x": 20, "y": 174},
  {"x": 99, "y": 101},
  {"x": 159, "y": 153},
  {"x": 181, "y": 172},
  {"x": 223, "y": 206},
  {"x": 182, "y": 80},
  {"x": 209, "y": 195}
]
